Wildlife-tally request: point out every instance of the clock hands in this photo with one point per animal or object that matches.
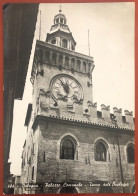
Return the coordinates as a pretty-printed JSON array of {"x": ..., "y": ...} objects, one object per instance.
[
  {"x": 65, "y": 86},
  {"x": 66, "y": 89},
  {"x": 61, "y": 82}
]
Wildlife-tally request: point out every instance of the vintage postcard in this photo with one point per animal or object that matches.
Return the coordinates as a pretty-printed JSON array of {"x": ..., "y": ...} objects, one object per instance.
[{"x": 69, "y": 98}]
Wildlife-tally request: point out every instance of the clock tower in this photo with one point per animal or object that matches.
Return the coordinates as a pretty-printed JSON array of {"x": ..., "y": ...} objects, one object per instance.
[
  {"x": 62, "y": 94},
  {"x": 70, "y": 145},
  {"x": 61, "y": 77}
]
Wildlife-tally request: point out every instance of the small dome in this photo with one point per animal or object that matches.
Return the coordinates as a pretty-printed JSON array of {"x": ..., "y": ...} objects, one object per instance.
[
  {"x": 60, "y": 18},
  {"x": 59, "y": 15}
]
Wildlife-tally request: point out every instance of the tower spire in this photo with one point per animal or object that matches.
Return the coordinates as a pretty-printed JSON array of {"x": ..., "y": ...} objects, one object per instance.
[{"x": 40, "y": 27}]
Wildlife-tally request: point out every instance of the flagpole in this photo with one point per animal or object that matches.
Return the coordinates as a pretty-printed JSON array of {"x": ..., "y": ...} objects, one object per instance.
[
  {"x": 88, "y": 43},
  {"x": 40, "y": 27}
]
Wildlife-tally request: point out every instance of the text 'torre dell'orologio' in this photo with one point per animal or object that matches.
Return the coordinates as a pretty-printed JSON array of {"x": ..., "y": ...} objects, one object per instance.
[{"x": 67, "y": 88}]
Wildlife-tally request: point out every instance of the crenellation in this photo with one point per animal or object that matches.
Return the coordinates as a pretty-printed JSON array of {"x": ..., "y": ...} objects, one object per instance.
[
  {"x": 48, "y": 106},
  {"x": 93, "y": 109},
  {"x": 105, "y": 111},
  {"x": 118, "y": 116},
  {"x": 129, "y": 117}
]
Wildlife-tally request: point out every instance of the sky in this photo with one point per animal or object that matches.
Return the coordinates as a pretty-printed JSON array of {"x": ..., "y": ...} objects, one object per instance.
[{"x": 111, "y": 35}]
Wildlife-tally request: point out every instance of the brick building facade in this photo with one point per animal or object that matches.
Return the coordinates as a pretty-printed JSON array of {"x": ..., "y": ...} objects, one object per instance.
[{"x": 70, "y": 146}]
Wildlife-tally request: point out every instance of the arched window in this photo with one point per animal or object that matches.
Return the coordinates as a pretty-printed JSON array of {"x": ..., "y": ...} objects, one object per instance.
[
  {"x": 67, "y": 149},
  {"x": 72, "y": 63},
  {"x": 57, "y": 20},
  {"x": 47, "y": 57},
  {"x": 67, "y": 61},
  {"x": 84, "y": 66},
  {"x": 33, "y": 173},
  {"x": 60, "y": 60},
  {"x": 54, "y": 59},
  {"x": 53, "y": 41},
  {"x": 40, "y": 56},
  {"x": 90, "y": 66},
  {"x": 61, "y": 20},
  {"x": 100, "y": 152},
  {"x": 72, "y": 47},
  {"x": 64, "y": 43},
  {"x": 130, "y": 154},
  {"x": 78, "y": 65}
]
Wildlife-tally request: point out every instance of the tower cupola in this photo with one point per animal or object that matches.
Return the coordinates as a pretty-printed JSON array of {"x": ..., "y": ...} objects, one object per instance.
[
  {"x": 60, "y": 18},
  {"x": 59, "y": 34}
]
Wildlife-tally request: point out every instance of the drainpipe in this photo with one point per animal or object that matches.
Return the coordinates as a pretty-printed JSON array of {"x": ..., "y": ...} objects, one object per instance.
[{"x": 121, "y": 170}]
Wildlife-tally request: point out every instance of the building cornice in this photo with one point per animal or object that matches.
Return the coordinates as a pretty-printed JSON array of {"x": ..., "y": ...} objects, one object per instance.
[
  {"x": 63, "y": 50},
  {"x": 80, "y": 123},
  {"x": 60, "y": 32}
]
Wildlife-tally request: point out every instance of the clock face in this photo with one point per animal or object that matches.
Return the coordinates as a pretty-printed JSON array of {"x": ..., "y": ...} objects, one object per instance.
[{"x": 67, "y": 88}]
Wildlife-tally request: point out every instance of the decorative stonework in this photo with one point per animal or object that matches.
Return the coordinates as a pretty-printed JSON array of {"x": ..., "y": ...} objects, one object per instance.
[
  {"x": 70, "y": 107},
  {"x": 42, "y": 92},
  {"x": 44, "y": 107}
]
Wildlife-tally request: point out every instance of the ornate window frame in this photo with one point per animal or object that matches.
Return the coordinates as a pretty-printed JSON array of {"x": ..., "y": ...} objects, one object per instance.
[
  {"x": 76, "y": 145},
  {"x": 104, "y": 142},
  {"x": 133, "y": 146}
]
